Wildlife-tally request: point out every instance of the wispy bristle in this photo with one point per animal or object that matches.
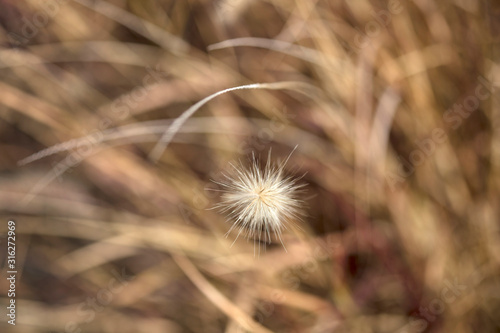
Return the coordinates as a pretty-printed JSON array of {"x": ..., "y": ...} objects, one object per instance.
[{"x": 260, "y": 202}]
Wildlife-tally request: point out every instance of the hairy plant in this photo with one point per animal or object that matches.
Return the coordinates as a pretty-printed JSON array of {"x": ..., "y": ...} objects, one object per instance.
[{"x": 260, "y": 201}]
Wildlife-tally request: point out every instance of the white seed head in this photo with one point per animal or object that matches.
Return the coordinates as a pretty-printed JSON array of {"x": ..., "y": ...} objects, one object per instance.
[{"x": 260, "y": 202}]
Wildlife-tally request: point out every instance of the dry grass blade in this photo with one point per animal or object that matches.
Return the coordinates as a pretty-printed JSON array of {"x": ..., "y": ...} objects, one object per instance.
[
  {"x": 142, "y": 27},
  {"x": 174, "y": 128},
  {"x": 217, "y": 298}
]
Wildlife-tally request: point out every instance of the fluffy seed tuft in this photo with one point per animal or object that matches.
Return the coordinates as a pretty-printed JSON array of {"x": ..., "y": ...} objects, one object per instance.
[{"x": 260, "y": 202}]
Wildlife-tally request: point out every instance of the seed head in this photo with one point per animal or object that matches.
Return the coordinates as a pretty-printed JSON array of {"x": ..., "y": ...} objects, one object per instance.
[{"x": 260, "y": 202}]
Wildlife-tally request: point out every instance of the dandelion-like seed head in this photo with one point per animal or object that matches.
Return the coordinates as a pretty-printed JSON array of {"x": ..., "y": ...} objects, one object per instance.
[{"x": 260, "y": 202}]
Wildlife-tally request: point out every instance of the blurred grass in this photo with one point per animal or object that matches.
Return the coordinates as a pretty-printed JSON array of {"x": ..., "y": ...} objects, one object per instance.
[{"x": 390, "y": 242}]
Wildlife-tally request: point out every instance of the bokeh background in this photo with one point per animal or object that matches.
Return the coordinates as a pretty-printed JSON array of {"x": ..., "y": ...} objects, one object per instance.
[{"x": 394, "y": 108}]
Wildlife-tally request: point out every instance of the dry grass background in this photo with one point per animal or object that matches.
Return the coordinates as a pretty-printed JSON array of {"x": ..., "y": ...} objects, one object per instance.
[{"x": 109, "y": 241}]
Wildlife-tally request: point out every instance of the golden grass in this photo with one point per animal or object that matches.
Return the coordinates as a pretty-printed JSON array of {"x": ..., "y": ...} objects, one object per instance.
[{"x": 401, "y": 232}]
